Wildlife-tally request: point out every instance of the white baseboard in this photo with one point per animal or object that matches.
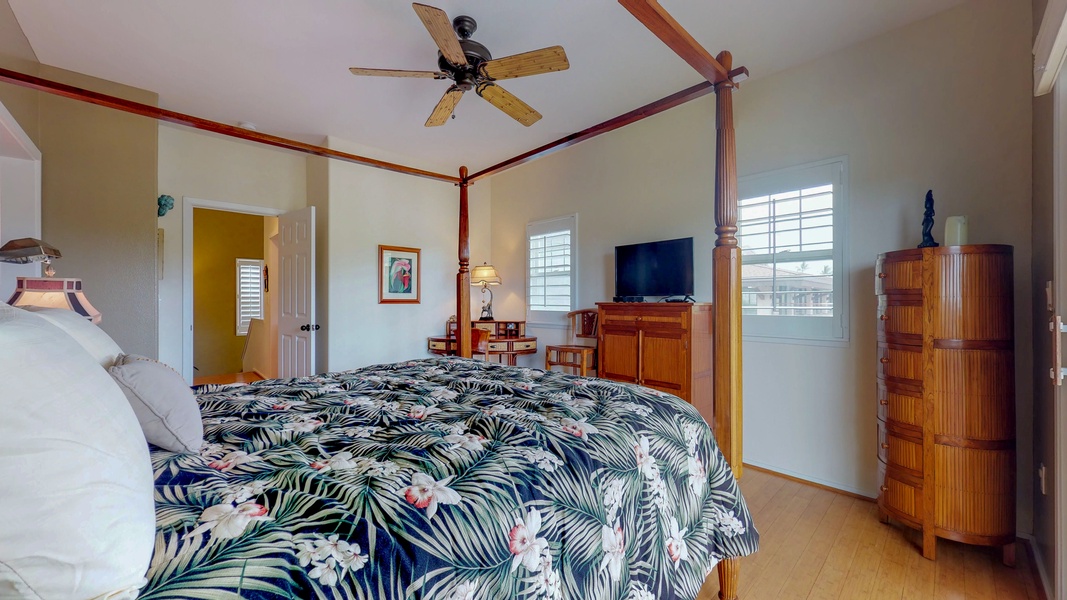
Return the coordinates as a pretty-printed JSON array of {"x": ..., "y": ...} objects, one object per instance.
[
  {"x": 824, "y": 482},
  {"x": 1039, "y": 564}
]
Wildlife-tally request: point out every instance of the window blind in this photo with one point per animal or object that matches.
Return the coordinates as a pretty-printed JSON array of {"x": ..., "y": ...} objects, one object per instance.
[{"x": 249, "y": 292}]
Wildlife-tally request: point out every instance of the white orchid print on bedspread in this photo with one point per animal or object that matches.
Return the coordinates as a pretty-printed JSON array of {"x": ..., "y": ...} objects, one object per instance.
[{"x": 444, "y": 479}]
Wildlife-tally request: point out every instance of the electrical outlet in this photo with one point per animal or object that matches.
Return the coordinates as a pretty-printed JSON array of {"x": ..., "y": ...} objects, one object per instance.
[{"x": 1041, "y": 478}]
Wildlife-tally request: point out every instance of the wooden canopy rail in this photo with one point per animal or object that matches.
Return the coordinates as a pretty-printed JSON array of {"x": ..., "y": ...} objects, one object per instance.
[{"x": 170, "y": 116}]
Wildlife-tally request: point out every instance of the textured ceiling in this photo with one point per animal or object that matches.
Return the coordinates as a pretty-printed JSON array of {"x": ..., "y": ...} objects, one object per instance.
[{"x": 283, "y": 65}]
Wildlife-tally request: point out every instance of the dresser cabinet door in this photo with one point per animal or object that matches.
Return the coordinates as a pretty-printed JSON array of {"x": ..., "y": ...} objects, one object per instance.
[
  {"x": 618, "y": 350},
  {"x": 664, "y": 356}
]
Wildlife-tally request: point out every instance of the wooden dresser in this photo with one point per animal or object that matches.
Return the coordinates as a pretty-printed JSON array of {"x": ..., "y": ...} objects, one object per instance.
[
  {"x": 662, "y": 345},
  {"x": 946, "y": 394}
]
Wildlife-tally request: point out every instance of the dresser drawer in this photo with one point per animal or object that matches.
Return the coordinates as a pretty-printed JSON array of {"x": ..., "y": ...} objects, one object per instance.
[
  {"x": 899, "y": 361},
  {"x": 637, "y": 316},
  {"x": 899, "y": 495},
  {"x": 898, "y": 271},
  {"x": 900, "y": 318},
  {"x": 900, "y": 449},
  {"x": 498, "y": 346},
  {"x": 531, "y": 345},
  {"x": 900, "y": 405}
]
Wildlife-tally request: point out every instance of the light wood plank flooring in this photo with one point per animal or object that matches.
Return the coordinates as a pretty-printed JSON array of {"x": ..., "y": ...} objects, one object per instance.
[
  {"x": 245, "y": 377},
  {"x": 820, "y": 544}
]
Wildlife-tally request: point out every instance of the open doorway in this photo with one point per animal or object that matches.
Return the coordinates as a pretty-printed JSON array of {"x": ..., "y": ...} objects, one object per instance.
[
  {"x": 233, "y": 318},
  {"x": 212, "y": 223}
]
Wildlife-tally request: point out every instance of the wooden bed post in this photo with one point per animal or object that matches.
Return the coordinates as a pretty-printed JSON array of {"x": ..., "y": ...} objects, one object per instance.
[
  {"x": 463, "y": 278},
  {"x": 726, "y": 264},
  {"x": 729, "y": 575}
]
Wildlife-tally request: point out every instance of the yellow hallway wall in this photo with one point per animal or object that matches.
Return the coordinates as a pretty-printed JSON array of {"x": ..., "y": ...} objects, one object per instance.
[{"x": 219, "y": 239}]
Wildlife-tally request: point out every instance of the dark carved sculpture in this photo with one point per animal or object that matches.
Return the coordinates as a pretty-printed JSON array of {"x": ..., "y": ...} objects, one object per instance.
[{"x": 928, "y": 223}]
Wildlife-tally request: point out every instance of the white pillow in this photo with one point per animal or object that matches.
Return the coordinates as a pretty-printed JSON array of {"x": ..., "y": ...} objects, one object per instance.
[
  {"x": 165, "y": 406},
  {"x": 96, "y": 342},
  {"x": 76, "y": 513}
]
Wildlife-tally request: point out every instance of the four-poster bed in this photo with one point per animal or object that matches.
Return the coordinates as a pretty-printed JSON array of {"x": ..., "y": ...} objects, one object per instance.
[{"x": 722, "y": 79}]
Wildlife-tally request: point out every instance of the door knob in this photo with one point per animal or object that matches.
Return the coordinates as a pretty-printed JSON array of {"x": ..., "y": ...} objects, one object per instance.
[
  {"x": 317, "y": 327},
  {"x": 305, "y": 328}
]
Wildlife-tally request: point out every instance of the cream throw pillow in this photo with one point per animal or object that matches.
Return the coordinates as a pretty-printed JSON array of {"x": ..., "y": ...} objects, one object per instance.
[
  {"x": 164, "y": 404},
  {"x": 77, "y": 518},
  {"x": 96, "y": 341}
]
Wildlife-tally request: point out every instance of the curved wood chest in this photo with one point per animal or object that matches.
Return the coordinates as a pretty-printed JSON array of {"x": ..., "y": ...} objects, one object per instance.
[{"x": 946, "y": 393}]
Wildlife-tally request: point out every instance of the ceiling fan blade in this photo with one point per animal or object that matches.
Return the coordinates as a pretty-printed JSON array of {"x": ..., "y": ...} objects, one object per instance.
[
  {"x": 444, "y": 107},
  {"x": 661, "y": 23},
  {"x": 535, "y": 62},
  {"x": 397, "y": 73},
  {"x": 440, "y": 28},
  {"x": 509, "y": 103}
]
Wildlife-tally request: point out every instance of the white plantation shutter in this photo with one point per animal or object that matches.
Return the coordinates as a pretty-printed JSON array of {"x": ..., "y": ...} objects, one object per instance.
[
  {"x": 791, "y": 230},
  {"x": 551, "y": 260},
  {"x": 249, "y": 292}
]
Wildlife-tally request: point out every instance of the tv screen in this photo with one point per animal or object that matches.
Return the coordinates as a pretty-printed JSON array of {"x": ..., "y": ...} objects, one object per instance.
[{"x": 655, "y": 268}]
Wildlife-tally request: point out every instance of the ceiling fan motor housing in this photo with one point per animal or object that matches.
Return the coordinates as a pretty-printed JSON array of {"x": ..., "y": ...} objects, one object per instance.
[{"x": 465, "y": 76}]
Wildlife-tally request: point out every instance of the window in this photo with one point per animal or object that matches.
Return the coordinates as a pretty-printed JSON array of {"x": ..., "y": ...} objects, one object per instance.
[
  {"x": 249, "y": 292},
  {"x": 550, "y": 282},
  {"x": 791, "y": 229}
]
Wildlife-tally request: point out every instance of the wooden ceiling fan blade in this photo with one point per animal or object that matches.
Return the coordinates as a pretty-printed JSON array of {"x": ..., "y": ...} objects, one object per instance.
[
  {"x": 444, "y": 107},
  {"x": 663, "y": 25},
  {"x": 509, "y": 103},
  {"x": 397, "y": 73},
  {"x": 534, "y": 62},
  {"x": 440, "y": 28}
]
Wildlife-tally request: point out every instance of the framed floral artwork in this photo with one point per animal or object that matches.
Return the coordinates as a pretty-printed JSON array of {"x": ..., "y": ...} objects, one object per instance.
[{"x": 399, "y": 275}]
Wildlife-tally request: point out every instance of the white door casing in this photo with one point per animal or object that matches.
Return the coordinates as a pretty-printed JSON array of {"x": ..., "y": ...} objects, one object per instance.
[
  {"x": 1059, "y": 304},
  {"x": 296, "y": 293},
  {"x": 188, "y": 204}
]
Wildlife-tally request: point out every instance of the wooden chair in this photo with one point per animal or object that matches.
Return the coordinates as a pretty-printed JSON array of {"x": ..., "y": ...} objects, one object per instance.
[
  {"x": 480, "y": 342},
  {"x": 582, "y": 358}
]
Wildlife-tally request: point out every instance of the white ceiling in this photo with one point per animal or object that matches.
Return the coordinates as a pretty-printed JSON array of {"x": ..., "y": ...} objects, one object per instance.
[{"x": 283, "y": 65}]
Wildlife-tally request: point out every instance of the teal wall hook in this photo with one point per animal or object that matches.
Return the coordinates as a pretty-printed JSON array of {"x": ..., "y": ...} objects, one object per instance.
[{"x": 165, "y": 203}]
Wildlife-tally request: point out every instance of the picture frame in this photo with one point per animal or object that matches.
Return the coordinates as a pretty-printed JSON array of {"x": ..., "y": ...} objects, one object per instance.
[{"x": 399, "y": 275}]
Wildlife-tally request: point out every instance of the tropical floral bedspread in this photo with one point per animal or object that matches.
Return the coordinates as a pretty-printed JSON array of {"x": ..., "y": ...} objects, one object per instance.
[{"x": 445, "y": 479}]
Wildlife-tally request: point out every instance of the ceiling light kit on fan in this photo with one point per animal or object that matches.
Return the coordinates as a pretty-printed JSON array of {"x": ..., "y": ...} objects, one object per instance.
[{"x": 471, "y": 67}]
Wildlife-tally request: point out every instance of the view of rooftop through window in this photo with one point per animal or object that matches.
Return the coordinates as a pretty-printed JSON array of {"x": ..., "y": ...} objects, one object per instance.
[{"x": 787, "y": 242}]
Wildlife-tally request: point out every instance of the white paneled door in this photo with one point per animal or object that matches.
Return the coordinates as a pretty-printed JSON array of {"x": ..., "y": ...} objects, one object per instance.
[{"x": 296, "y": 293}]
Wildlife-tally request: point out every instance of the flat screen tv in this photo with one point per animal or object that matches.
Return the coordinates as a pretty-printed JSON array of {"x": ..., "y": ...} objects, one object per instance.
[{"x": 655, "y": 268}]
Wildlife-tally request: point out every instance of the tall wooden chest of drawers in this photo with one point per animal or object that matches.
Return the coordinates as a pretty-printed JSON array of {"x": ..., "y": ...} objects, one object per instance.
[{"x": 946, "y": 393}]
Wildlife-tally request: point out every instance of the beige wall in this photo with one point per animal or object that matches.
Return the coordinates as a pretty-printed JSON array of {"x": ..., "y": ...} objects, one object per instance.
[
  {"x": 16, "y": 54},
  {"x": 98, "y": 189},
  {"x": 219, "y": 239},
  {"x": 98, "y": 204},
  {"x": 912, "y": 110},
  {"x": 359, "y": 208},
  {"x": 204, "y": 166}
]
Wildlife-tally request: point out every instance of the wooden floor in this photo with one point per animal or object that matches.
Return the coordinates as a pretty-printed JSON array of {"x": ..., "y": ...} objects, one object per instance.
[
  {"x": 819, "y": 544},
  {"x": 245, "y": 377}
]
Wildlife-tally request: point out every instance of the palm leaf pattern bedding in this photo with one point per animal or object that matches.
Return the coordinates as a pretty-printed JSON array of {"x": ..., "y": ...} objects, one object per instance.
[{"x": 446, "y": 479}]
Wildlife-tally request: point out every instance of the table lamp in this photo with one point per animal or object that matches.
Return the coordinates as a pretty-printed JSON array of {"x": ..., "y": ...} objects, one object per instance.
[
  {"x": 485, "y": 275},
  {"x": 47, "y": 291}
]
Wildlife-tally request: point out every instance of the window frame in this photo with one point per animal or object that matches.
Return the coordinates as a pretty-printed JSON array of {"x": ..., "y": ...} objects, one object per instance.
[
  {"x": 543, "y": 227},
  {"x": 244, "y": 262},
  {"x": 810, "y": 330}
]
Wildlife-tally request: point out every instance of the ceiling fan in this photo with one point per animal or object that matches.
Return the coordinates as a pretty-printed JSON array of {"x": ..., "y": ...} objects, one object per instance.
[{"x": 470, "y": 66}]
